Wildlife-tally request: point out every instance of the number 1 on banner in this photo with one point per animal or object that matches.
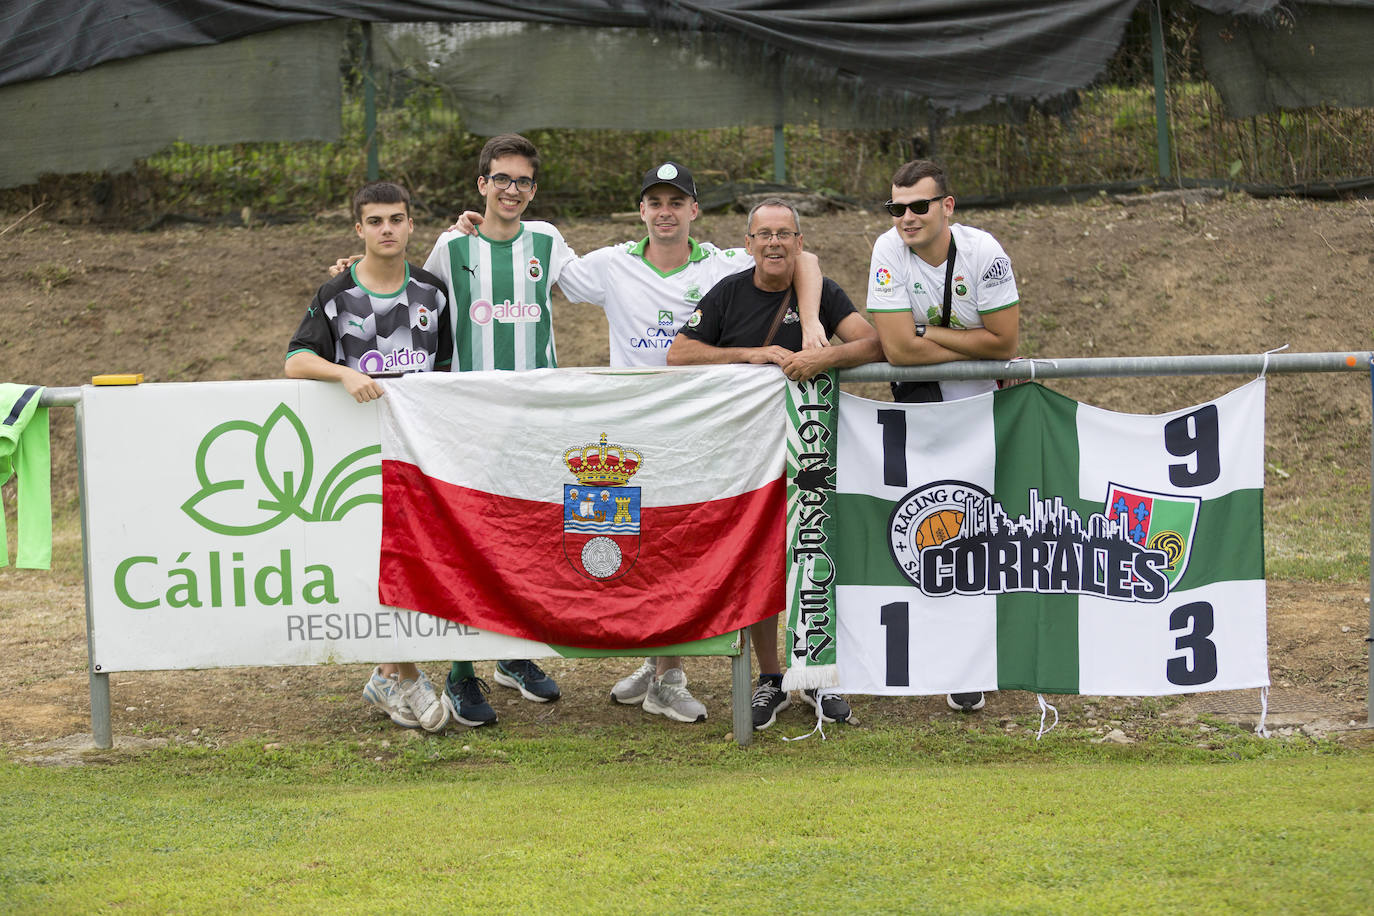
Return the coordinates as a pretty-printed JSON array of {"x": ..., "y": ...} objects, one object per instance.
[{"x": 896, "y": 621}]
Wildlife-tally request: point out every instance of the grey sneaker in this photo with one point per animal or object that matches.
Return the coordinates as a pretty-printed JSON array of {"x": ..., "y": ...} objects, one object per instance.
[
  {"x": 385, "y": 695},
  {"x": 632, "y": 688},
  {"x": 424, "y": 703},
  {"x": 668, "y": 696}
]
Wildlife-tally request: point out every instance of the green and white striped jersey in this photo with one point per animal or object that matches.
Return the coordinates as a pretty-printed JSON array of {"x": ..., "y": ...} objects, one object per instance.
[{"x": 499, "y": 295}]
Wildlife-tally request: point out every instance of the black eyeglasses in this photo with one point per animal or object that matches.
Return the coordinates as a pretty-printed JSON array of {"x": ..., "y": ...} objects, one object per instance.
[
  {"x": 503, "y": 181},
  {"x": 765, "y": 235},
  {"x": 919, "y": 207}
]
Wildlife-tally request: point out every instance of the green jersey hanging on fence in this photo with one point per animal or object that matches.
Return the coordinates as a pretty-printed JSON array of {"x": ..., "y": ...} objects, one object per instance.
[{"x": 499, "y": 295}]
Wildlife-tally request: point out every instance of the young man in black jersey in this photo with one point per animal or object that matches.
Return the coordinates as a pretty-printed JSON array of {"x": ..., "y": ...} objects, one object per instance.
[{"x": 380, "y": 316}]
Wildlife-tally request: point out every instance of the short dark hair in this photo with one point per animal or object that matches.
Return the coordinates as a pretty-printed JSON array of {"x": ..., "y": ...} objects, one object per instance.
[
  {"x": 916, "y": 169},
  {"x": 774, "y": 202},
  {"x": 507, "y": 145},
  {"x": 379, "y": 192}
]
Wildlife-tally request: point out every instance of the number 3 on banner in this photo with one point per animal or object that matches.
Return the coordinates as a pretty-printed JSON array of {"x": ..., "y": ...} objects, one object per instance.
[{"x": 1197, "y": 618}]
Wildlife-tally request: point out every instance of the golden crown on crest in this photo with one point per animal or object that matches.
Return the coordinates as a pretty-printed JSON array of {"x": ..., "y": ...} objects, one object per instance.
[{"x": 602, "y": 464}]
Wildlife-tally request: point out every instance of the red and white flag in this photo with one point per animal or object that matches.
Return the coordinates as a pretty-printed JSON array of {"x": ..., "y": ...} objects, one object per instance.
[{"x": 607, "y": 509}]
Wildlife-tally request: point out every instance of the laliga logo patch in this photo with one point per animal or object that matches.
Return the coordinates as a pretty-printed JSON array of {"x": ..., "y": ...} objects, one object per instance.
[
  {"x": 534, "y": 270},
  {"x": 600, "y": 514},
  {"x": 882, "y": 277}
]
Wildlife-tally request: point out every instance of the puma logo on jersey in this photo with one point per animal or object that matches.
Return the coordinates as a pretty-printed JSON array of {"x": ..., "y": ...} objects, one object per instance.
[
  {"x": 356, "y": 324},
  {"x": 471, "y": 270}
]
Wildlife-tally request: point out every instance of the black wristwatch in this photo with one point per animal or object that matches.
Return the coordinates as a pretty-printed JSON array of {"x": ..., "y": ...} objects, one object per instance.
[{"x": 920, "y": 330}]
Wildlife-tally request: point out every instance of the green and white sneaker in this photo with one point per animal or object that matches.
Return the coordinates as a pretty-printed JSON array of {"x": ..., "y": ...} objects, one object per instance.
[{"x": 668, "y": 696}]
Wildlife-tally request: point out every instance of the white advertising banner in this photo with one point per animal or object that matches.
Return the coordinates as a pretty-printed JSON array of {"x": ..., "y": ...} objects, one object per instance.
[{"x": 238, "y": 523}]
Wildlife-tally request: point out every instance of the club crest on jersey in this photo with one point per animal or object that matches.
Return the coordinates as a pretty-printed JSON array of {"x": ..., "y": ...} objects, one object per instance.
[
  {"x": 952, "y": 537},
  {"x": 960, "y": 287},
  {"x": 422, "y": 318},
  {"x": 600, "y": 513},
  {"x": 534, "y": 270}
]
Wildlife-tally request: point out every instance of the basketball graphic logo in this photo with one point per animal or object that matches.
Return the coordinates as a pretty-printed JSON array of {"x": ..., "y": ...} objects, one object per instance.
[{"x": 938, "y": 527}]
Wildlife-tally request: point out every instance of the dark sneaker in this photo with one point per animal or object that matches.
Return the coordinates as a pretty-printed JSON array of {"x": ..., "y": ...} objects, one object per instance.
[
  {"x": 769, "y": 700},
  {"x": 965, "y": 702},
  {"x": 831, "y": 706},
  {"x": 528, "y": 678},
  {"x": 467, "y": 703}
]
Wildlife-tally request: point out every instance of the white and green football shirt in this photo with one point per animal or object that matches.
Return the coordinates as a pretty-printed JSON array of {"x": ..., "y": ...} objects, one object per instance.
[
  {"x": 499, "y": 296},
  {"x": 645, "y": 306},
  {"x": 899, "y": 281}
]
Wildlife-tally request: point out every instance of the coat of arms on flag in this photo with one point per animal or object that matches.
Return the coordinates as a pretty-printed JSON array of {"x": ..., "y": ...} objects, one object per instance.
[
  {"x": 601, "y": 514},
  {"x": 1157, "y": 521}
]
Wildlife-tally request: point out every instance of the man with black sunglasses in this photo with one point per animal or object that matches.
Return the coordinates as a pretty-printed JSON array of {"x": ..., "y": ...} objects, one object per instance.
[{"x": 939, "y": 291}]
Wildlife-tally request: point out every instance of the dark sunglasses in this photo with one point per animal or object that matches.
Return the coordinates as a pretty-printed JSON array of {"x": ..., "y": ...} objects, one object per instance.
[{"x": 919, "y": 207}]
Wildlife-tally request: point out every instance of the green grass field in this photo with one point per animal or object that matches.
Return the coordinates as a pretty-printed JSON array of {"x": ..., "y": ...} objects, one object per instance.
[{"x": 929, "y": 820}]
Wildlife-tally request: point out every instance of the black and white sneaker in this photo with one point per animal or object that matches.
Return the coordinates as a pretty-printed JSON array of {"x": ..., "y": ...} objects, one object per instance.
[
  {"x": 831, "y": 706},
  {"x": 965, "y": 702},
  {"x": 769, "y": 700}
]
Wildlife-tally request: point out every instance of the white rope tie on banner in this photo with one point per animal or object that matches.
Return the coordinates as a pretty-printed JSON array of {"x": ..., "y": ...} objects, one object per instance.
[
  {"x": 1044, "y": 707},
  {"x": 1264, "y": 713},
  {"x": 1032, "y": 361},
  {"x": 1264, "y": 369},
  {"x": 818, "y": 730}
]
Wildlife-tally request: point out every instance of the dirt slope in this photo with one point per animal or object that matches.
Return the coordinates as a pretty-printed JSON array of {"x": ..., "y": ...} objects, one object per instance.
[{"x": 195, "y": 303}]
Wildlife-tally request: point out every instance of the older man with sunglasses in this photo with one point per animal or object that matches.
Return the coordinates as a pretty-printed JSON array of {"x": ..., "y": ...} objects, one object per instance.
[{"x": 939, "y": 291}]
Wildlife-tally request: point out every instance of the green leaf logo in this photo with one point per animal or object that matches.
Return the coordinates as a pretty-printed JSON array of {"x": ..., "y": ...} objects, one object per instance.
[{"x": 279, "y": 449}]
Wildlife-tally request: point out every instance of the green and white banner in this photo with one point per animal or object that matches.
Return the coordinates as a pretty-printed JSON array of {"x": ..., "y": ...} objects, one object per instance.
[
  {"x": 812, "y": 414},
  {"x": 239, "y": 523},
  {"x": 1021, "y": 540}
]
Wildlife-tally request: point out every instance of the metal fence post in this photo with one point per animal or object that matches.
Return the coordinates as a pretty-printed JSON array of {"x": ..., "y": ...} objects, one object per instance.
[
  {"x": 102, "y": 731},
  {"x": 741, "y": 693},
  {"x": 1161, "y": 90}
]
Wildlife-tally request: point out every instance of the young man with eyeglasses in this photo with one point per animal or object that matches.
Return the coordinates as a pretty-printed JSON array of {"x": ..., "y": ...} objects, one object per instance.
[
  {"x": 752, "y": 317},
  {"x": 499, "y": 286},
  {"x": 940, "y": 291},
  {"x": 648, "y": 289}
]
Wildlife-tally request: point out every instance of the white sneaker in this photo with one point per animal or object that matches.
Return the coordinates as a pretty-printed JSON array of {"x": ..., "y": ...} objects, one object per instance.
[
  {"x": 668, "y": 696},
  {"x": 630, "y": 690},
  {"x": 425, "y": 704},
  {"x": 385, "y": 695}
]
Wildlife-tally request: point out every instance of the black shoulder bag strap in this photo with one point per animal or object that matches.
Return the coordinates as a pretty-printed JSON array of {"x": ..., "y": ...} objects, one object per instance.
[
  {"x": 777, "y": 319},
  {"x": 949, "y": 282},
  {"x": 929, "y": 392}
]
